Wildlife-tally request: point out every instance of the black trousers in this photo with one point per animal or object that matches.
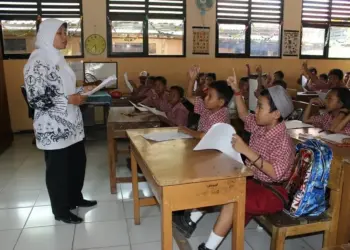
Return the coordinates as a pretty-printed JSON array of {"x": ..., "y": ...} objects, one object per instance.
[{"x": 65, "y": 173}]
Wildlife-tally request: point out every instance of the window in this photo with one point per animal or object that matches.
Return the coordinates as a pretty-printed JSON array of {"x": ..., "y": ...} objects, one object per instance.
[
  {"x": 249, "y": 28},
  {"x": 326, "y": 29},
  {"x": 146, "y": 28},
  {"x": 19, "y": 24}
]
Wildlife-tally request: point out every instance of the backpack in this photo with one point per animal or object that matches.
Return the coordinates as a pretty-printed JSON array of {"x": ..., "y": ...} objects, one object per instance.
[{"x": 308, "y": 183}]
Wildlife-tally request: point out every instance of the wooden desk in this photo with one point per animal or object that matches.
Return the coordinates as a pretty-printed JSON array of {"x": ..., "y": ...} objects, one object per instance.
[
  {"x": 118, "y": 123},
  {"x": 305, "y": 97},
  {"x": 340, "y": 162},
  {"x": 172, "y": 168}
]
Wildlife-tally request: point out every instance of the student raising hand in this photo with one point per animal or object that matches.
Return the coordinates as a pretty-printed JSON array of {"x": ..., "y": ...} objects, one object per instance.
[
  {"x": 232, "y": 81},
  {"x": 192, "y": 74}
]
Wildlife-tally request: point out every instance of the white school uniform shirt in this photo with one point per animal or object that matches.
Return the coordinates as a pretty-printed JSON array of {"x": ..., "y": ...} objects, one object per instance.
[{"x": 48, "y": 82}]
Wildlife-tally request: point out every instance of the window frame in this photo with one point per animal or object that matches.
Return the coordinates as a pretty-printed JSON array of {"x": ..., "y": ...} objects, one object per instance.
[
  {"x": 144, "y": 17},
  {"x": 37, "y": 20},
  {"x": 248, "y": 32},
  {"x": 327, "y": 25}
]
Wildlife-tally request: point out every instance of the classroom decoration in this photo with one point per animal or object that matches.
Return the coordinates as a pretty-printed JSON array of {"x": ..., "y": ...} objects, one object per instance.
[
  {"x": 201, "y": 40},
  {"x": 204, "y": 5},
  {"x": 291, "y": 43},
  {"x": 95, "y": 44}
]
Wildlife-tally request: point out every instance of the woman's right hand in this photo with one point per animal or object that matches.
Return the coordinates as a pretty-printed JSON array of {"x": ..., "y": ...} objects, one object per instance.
[
  {"x": 77, "y": 99},
  {"x": 193, "y": 73}
]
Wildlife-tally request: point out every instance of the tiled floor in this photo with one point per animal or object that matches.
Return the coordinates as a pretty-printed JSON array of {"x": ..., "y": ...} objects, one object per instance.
[{"x": 26, "y": 222}]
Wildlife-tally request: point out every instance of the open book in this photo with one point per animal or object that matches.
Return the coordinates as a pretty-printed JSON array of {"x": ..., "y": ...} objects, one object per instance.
[
  {"x": 153, "y": 110},
  {"x": 336, "y": 139},
  {"x": 108, "y": 81},
  {"x": 297, "y": 124},
  {"x": 219, "y": 138}
]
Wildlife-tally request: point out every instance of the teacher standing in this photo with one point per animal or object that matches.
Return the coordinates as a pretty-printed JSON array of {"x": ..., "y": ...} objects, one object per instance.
[{"x": 59, "y": 130}]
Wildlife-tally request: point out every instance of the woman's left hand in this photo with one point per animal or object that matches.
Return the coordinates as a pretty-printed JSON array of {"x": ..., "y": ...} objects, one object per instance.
[
  {"x": 238, "y": 144},
  {"x": 88, "y": 88}
]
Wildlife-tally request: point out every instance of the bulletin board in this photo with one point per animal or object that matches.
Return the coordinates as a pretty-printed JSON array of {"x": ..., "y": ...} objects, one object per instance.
[{"x": 201, "y": 40}]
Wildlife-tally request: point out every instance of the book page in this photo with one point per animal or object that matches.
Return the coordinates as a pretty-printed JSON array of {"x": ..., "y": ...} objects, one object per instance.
[
  {"x": 253, "y": 86},
  {"x": 110, "y": 80},
  {"x": 297, "y": 124},
  {"x": 127, "y": 83},
  {"x": 142, "y": 109},
  {"x": 337, "y": 138},
  {"x": 166, "y": 136},
  {"x": 219, "y": 138}
]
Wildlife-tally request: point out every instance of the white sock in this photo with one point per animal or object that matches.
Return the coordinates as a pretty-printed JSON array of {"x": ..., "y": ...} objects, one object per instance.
[
  {"x": 213, "y": 241},
  {"x": 196, "y": 215}
]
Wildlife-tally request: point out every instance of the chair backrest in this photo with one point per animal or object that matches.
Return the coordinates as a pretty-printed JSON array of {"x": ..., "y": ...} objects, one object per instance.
[{"x": 30, "y": 109}]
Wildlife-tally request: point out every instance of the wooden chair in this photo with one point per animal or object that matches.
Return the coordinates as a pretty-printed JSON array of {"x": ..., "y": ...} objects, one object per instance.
[{"x": 281, "y": 225}]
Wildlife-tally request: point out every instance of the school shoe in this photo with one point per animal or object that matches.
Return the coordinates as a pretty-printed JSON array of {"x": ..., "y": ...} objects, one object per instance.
[
  {"x": 203, "y": 247},
  {"x": 183, "y": 223},
  {"x": 69, "y": 218},
  {"x": 86, "y": 203}
]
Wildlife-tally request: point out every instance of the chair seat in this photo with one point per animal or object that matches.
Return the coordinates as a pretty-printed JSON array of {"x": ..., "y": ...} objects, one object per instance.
[{"x": 282, "y": 219}]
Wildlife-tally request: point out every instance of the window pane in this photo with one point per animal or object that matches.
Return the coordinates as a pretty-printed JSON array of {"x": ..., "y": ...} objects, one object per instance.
[
  {"x": 73, "y": 35},
  {"x": 312, "y": 42},
  {"x": 127, "y": 36},
  {"x": 339, "y": 42},
  {"x": 232, "y": 38},
  {"x": 18, "y": 36},
  {"x": 265, "y": 39},
  {"x": 165, "y": 37}
]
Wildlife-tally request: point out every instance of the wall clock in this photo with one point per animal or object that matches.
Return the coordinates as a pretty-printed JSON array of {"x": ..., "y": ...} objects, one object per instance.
[{"x": 95, "y": 44}]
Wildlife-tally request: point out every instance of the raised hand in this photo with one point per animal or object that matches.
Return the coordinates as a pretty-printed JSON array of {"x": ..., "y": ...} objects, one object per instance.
[
  {"x": 193, "y": 72},
  {"x": 232, "y": 81},
  {"x": 259, "y": 70}
]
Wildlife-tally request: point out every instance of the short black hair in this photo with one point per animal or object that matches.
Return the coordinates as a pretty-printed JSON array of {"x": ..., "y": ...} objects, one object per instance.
[
  {"x": 337, "y": 72},
  {"x": 201, "y": 74},
  {"x": 324, "y": 76},
  {"x": 313, "y": 70},
  {"x": 244, "y": 79},
  {"x": 280, "y": 74},
  {"x": 280, "y": 83},
  {"x": 212, "y": 75},
  {"x": 224, "y": 91},
  {"x": 344, "y": 96},
  {"x": 179, "y": 89},
  {"x": 161, "y": 79},
  {"x": 273, "y": 107},
  {"x": 152, "y": 78}
]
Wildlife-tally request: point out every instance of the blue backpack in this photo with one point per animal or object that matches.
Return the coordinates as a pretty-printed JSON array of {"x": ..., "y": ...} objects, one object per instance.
[{"x": 308, "y": 183}]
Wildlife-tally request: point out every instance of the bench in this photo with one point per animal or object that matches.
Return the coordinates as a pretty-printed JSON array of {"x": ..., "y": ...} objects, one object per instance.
[{"x": 281, "y": 225}]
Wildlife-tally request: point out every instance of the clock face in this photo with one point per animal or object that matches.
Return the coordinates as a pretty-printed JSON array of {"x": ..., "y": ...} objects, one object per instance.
[{"x": 95, "y": 44}]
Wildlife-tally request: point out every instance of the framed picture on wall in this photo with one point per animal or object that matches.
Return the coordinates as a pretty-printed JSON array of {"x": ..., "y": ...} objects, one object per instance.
[
  {"x": 290, "y": 43},
  {"x": 200, "y": 40}
]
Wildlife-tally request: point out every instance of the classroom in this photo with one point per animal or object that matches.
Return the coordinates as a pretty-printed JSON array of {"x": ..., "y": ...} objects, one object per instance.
[{"x": 158, "y": 124}]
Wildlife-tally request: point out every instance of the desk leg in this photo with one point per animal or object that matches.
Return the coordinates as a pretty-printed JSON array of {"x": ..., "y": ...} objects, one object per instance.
[
  {"x": 167, "y": 229},
  {"x": 238, "y": 224},
  {"x": 135, "y": 189},
  {"x": 111, "y": 159}
]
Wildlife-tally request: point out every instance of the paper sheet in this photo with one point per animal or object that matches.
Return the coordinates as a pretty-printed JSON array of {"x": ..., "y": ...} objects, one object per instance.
[
  {"x": 166, "y": 136},
  {"x": 110, "y": 80},
  {"x": 322, "y": 95},
  {"x": 128, "y": 84},
  {"x": 153, "y": 110},
  {"x": 142, "y": 109},
  {"x": 219, "y": 138},
  {"x": 297, "y": 124},
  {"x": 338, "y": 138},
  {"x": 304, "y": 81},
  {"x": 253, "y": 86}
]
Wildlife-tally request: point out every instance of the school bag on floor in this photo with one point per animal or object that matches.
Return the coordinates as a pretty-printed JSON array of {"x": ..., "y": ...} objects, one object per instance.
[{"x": 308, "y": 183}]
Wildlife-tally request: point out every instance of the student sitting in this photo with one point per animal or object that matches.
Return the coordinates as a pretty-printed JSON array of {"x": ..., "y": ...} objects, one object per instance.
[
  {"x": 159, "y": 98},
  {"x": 270, "y": 155},
  {"x": 278, "y": 76},
  {"x": 337, "y": 99},
  {"x": 244, "y": 86},
  {"x": 178, "y": 114},
  {"x": 210, "y": 77},
  {"x": 324, "y": 78},
  {"x": 140, "y": 90},
  {"x": 213, "y": 109}
]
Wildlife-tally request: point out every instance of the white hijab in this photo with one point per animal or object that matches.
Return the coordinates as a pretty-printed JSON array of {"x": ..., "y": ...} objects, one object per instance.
[{"x": 44, "y": 47}]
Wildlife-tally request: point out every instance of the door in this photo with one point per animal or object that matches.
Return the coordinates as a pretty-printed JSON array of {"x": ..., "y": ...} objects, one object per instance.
[{"x": 6, "y": 136}]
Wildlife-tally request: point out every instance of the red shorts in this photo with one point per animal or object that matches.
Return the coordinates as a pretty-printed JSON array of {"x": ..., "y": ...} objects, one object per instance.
[{"x": 261, "y": 200}]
